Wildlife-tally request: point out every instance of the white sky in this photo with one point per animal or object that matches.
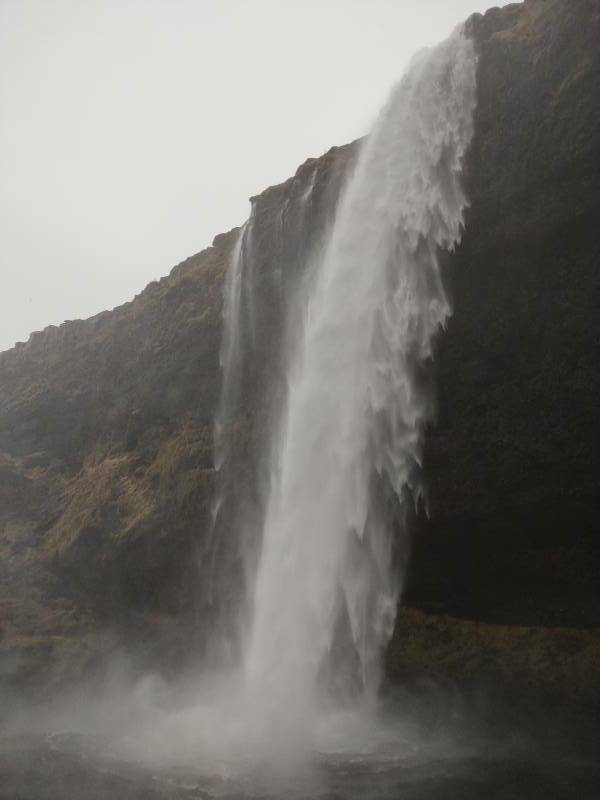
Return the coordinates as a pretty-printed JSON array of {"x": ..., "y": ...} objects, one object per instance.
[{"x": 133, "y": 131}]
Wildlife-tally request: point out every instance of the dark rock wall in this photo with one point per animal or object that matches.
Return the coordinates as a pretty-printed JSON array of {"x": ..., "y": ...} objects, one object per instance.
[
  {"x": 514, "y": 463},
  {"x": 107, "y": 478}
]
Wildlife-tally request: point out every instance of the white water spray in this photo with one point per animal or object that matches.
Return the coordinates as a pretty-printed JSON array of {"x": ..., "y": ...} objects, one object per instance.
[
  {"x": 356, "y": 410},
  {"x": 348, "y": 445}
]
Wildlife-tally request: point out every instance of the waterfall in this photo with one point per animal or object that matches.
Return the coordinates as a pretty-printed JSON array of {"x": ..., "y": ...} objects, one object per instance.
[
  {"x": 229, "y": 553},
  {"x": 351, "y": 433},
  {"x": 345, "y": 452},
  {"x": 231, "y": 354}
]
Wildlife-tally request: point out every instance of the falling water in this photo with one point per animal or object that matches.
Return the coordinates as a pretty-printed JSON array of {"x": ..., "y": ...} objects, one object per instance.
[
  {"x": 236, "y": 351},
  {"x": 345, "y": 460},
  {"x": 240, "y": 456},
  {"x": 232, "y": 345},
  {"x": 353, "y": 425}
]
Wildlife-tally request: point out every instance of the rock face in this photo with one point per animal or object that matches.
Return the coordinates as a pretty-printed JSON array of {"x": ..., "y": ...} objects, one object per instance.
[
  {"x": 514, "y": 464},
  {"x": 106, "y": 461}
]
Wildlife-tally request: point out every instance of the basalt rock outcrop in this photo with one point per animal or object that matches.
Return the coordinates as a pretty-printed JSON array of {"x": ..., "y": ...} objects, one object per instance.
[{"x": 107, "y": 475}]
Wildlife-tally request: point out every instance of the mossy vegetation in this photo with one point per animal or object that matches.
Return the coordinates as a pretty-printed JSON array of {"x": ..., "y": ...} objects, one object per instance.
[
  {"x": 89, "y": 499},
  {"x": 555, "y": 658}
]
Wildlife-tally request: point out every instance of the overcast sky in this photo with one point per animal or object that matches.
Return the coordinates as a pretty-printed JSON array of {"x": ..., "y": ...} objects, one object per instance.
[{"x": 133, "y": 131}]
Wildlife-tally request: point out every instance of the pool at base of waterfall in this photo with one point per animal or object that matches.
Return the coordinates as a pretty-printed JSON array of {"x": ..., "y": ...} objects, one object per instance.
[{"x": 437, "y": 745}]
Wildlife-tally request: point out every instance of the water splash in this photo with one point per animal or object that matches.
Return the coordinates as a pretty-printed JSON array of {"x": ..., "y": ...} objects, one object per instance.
[{"x": 352, "y": 430}]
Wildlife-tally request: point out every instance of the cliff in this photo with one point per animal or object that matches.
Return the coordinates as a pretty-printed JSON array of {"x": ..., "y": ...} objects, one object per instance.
[
  {"x": 514, "y": 463},
  {"x": 106, "y": 462}
]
